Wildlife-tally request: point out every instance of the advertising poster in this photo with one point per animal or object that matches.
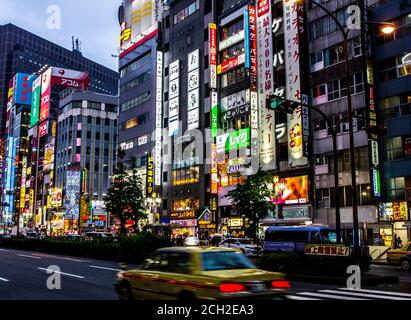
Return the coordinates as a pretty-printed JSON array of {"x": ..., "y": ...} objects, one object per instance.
[
  {"x": 291, "y": 190},
  {"x": 293, "y": 27},
  {"x": 45, "y": 95},
  {"x": 265, "y": 84},
  {"x": 35, "y": 101}
]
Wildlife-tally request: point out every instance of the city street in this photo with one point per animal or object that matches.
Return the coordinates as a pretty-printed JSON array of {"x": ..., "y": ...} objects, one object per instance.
[{"x": 23, "y": 276}]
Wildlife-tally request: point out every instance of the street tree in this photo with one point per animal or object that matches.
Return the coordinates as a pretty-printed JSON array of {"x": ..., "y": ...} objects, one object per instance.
[{"x": 252, "y": 199}]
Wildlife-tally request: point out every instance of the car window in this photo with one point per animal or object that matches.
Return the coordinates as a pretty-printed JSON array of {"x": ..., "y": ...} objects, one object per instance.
[
  {"x": 176, "y": 263},
  {"x": 152, "y": 263},
  {"x": 223, "y": 260},
  {"x": 245, "y": 241}
]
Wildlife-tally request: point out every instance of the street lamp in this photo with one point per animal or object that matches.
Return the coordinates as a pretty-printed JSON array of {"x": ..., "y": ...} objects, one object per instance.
[{"x": 388, "y": 28}]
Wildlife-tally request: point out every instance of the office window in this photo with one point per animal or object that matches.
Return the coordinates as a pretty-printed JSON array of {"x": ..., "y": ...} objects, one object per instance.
[
  {"x": 136, "y": 101},
  {"x": 140, "y": 62},
  {"x": 393, "y": 148},
  {"x": 395, "y": 189},
  {"x": 94, "y": 105}
]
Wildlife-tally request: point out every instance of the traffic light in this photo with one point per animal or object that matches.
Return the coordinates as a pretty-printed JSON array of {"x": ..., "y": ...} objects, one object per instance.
[{"x": 280, "y": 104}]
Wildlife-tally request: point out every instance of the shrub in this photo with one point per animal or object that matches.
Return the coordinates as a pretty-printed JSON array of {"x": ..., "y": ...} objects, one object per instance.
[{"x": 132, "y": 249}]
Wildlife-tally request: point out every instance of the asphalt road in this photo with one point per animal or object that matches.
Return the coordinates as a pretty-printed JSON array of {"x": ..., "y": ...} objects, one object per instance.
[{"x": 23, "y": 276}]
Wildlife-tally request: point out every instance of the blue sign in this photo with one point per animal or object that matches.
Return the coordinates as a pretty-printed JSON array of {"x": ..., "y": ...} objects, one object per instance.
[
  {"x": 22, "y": 89},
  {"x": 247, "y": 39}
]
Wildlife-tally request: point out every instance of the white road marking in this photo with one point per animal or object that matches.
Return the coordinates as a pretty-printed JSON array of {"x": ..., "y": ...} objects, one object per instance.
[
  {"x": 63, "y": 273},
  {"x": 75, "y": 260},
  {"x": 357, "y": 294},
  {"x": 378, "y": 291},
  {"x": 291, "y": 297},
  {"x": 4, "y": 280},
  {"x": 3, "y": 250},
  {"x": 26, "y": 256},
  {"x": 323, "y": 295},
  {"x": 104, "y": 268}
]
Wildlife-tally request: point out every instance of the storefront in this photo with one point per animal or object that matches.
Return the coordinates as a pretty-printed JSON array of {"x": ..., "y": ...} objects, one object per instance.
[
  {"x": 236, "y": 227},
  {"x": 394, "y": 220},
  {"x": 184, "y": 216},
  {"x": 206, "y": 224}
]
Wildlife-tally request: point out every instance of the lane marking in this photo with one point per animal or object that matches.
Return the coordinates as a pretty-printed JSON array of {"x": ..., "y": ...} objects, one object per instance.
[
  {"x": 291, "y": 297},
  {"x": 75, "y": 260},
  {"x": 105, "y": 268},
  {"x": 26, "y": 256},
  {"x": 393, "y": 293},
  {"x": 43, "y": 255},
  {"x": 63, "y": 273},
  {"x": 4, "y": 280},
  {"x": 3, "y": 250},
  {"x": 364, "y": 295},
  {"x": 323, "y": 295}
]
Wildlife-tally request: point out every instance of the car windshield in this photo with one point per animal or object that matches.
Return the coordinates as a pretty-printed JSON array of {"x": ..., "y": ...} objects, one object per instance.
[
  {"x": 245, "y": 241},
  {"x": 225, "y": 260},
  {"x": 329, "y": 236}
]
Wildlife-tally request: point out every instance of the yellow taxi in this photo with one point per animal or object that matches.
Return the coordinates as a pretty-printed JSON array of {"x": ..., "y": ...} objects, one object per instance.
[
  {"x": 188, "y": 273},
  {"x": 401, "y": 257}
]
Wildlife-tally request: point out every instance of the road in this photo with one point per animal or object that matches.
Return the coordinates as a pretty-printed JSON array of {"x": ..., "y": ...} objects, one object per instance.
[{"x": 23, "y": 276}]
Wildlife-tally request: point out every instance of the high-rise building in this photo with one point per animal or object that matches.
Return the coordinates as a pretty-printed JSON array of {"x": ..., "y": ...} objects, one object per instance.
[
  {"x": 23, "y": 51},
  {"x": 140, "y": 101},
  {"x": 187, "y": 138},
  {"x": 392, "y": 69},
  {"x": 86, "y": 143}
]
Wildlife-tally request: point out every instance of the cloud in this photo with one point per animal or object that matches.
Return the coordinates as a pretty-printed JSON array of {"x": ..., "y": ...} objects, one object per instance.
[{"x": 93, "y": 22}]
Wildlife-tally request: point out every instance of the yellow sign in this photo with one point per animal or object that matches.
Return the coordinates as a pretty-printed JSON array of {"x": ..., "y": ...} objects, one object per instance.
[
  {"x": 183, "y": 214},
  {"x": 235, "y": 222}
]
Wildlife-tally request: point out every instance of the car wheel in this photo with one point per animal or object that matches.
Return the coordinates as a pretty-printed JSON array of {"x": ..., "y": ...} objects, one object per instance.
[
  {"x": 125, "y": 292},
  {"x": 187, "y": 296},
  {"x": 405, "y": 264}
]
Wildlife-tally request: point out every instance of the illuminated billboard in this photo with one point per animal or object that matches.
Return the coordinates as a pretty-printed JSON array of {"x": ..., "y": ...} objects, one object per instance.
[
  {"x": 73, "y": 189},
  {"x": 69, "y": 78},
  {"x": 22, "y": 89},
  {"x": 291, "y": 190},
  {"x": 35, "y": 101},
  {"x": 56, "y": 197},
  {"x": 45, "y": 95}
]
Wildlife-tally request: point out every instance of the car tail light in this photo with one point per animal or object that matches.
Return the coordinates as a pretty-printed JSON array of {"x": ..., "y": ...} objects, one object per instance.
[
  {"x": 280, "y": 284},
  {"x": 232, "y": 287}
]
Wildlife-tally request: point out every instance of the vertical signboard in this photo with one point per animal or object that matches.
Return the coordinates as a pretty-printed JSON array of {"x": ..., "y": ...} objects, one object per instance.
[
  {"x": 213, "y": 55},
  {"x": 265, "y": 84},
  {"x": 293, "y": 28},
  {"x": 150, "y": 176},
  {"x": 159, "y": 120},
  {"x": 22, "y": 89},
  {"x": 193, "y": 91},
  {"x": 35, "y": 101},
  {"x": 253, "y": 47},
  {"x": 214, "y": 114},
  {"x": 174, "y": 100},
  {"x": 45, "y": 95},
  {"x": 214, "y": 169}
]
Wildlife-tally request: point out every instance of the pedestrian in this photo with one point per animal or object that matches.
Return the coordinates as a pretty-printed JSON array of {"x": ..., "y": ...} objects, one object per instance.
[{"x": 398, "y": 242}]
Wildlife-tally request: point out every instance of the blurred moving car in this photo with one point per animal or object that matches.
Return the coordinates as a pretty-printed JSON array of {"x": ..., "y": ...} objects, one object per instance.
[
  {"x": 191, "y": 241},
  {"x": 400, "y": 257},
  {"x": 72, "y": 237},
  {"x": 34, "y": 235},
  {"x": 245, "y": 245},
  {"x": 90, "y": 236},
  {"x": 187, "y": 273}
]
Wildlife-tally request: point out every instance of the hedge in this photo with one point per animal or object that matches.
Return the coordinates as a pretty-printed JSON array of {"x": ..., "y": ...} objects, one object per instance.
[
  {"x": 300, "y": 263},
  {"x": 131, "y": 249}
]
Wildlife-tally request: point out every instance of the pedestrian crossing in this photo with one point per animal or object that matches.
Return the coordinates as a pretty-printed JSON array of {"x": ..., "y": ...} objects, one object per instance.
[{"x": 349, "y": 294}]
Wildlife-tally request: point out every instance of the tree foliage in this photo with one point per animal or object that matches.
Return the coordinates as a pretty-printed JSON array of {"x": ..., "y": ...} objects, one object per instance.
[
  {"x": 125, "y": 197},
  {"x": 252, "y": 198}
]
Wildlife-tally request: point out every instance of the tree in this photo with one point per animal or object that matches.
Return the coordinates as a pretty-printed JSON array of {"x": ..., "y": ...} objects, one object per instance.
[
  {"x": 135, "y": 197},
  {"x": 252, "y": 199},
  {"x": 125, "y": 197}
]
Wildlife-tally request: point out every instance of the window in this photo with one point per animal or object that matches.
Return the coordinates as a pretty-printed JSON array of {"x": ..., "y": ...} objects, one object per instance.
[
  {"x": 393, "y": 149},
  {"x": 395, "y": 189},
  {"x": 232, "y": 52},
  {"x": 327, "y": 25},
  {"x": 232, "y": 29},
  {"x": 131, "y": 123},
  {"x": 140, "y": 62},
  {"x": 187, "y": 11},
  {"x": 106, "y": 136},
  {"x": 233, "y": 76},
  {"x": 134, "y": 122},
  {"x": 186, "y": 176},
  {"x": 136, "y": 82},
  {"x": 136, "y": 101},
  {"x": 212, "y": 261},
  {"x": 185, "y": 204},
  {"x": 94, "y": 105},
  {"x": 111, "y": 107},
  {"x": 396, "y": 106}
]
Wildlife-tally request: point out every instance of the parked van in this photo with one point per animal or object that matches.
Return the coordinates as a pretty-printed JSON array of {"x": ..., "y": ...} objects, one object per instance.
[{"x": 294, "y": 238}]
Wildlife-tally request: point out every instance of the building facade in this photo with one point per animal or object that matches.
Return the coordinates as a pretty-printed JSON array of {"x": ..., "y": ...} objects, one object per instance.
[
  {"x": 86, "y": 141},
  {"x": 393, "y": 74}
]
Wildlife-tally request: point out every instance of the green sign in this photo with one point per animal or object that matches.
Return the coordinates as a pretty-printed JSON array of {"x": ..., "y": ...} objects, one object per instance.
[
  {"x": 214, "y": 114},
  {"x": 238, "y": 139},
  {"x": 35, "y": 102},
  {"x": 376, "y": 182}
]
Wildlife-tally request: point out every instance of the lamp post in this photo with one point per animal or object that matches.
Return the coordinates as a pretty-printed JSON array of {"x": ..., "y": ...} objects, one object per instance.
[{"x": 388, "y": 28}]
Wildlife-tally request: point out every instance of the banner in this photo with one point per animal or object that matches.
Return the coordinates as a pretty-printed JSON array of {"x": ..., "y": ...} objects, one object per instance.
[
  {"x": 69, "y": 78},
  {"x": 35, "y": 101},
  {"x": 45, "y": 95},
  {"x": 293, "y": 29},
  {"x": 265, "y": 84},
  {"x": 213, "y": 55}
]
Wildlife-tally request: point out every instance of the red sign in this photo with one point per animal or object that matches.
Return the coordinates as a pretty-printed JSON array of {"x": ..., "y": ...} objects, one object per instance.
[
  {"x": 213, "y": 44},
  {"x": 45, "y": 95},
  {"x": 43, "y": 129},
  {"x": 69, "y": 78},
  {"x": 253, "y": 47},
  {"x": 263, "y": 7},
  {"x": 230, "y": 64}
]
